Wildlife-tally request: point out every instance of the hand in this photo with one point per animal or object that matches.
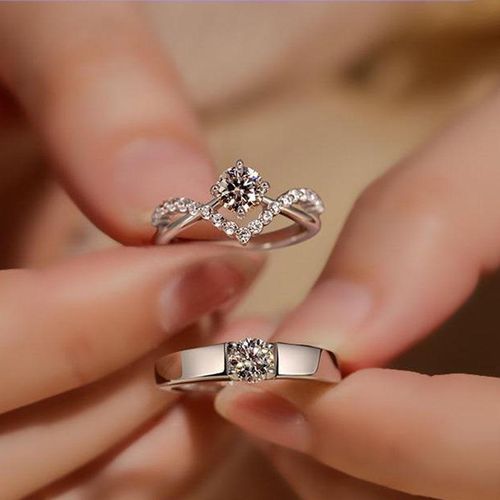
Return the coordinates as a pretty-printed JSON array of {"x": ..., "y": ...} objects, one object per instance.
[
  {"x": 77, "y": 339},
  {"x": 410, "y": 254}
]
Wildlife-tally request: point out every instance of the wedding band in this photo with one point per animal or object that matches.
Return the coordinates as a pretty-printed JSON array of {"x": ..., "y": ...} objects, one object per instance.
[
  {"x": 249, "y": 360},
  {"x": 239, "y": 189}
]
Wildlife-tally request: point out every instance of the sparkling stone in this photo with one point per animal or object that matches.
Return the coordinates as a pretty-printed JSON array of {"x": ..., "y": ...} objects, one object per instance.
[
  {"x": 295, "y": 195},
  {"x": 264, "y": 187},
  {"x": 230, "y": 228},
  {"x": 303, "y": 195},
  {"x": 193, "y": 207},
  {"x": 285, "y": 200},
  {"x": 275, "y": 208},
  {"x": 206, "y": 212},
  {"x": 240, "y": 188},
  {"x": 158, "y": 216},
  {"x": 312, "y": 197},
  {"x": 217, "y": 220},
  {"x": 266, "y": 217},
  {"x": 250, "y": 360},
  {"x": 181, "y": 205},
  {"x": 255, "y": 226},
  {"x": 243, "y": 234}
]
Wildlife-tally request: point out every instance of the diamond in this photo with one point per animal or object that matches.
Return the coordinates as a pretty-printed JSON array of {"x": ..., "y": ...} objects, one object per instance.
[
  {"x": 193, "y": 208},
  {"x": 230, "y": 228},
  {"x": 255, "y": 226},
  {"x": 217, "y": 220},
  {"x": 158, "y": 216},
  {"x": 243, "y": 234},
  {"x": 295, "y": 195},
  {"x": 285, "y": 200},
  {"x": 240, "y": 188},
  {"x": 250, "y": 360},
  {"x": 206, "y": 212},
  {"x": 266, "y": 217},
  {"x": 275, "y": 208},
  {"x": 181, "y": 205}
]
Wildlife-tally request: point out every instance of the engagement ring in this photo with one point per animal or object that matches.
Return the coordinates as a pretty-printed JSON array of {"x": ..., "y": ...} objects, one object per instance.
[{"x": 239, "y": 189}]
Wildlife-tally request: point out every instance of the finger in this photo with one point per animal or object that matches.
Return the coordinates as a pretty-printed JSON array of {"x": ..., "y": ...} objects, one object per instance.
[
  {"x": 412, "y": 249},
  {"x": 108, "y": 103},
  {"x": 47, "y": 440},
  {"x": 315, "y": 481},
  {"x": 164, "y": 459},
  {"x": 66, "y": 326},
  {"x": 434, "y": 436}
]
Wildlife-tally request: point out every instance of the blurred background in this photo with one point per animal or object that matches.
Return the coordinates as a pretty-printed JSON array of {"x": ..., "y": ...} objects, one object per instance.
[{"x": 324, "y": 95}]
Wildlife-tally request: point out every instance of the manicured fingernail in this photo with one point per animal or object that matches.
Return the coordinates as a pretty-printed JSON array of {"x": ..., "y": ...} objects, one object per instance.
[
  {"x": 146, "y": 168},
  {"x": 264, "y": 414},
  {"x": 206, "y": 287}
]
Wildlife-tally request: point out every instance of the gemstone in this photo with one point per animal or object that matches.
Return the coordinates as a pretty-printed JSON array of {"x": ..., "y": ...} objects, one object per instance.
[
  {"x": 206, "y": 211},
  {"x": 230, "y": 228},
  {"x": 243, "y": 234},
  {"x": 240, "y": 188},
  {"x": 295, "y": 195},
  {"x": 193, "y": 208},
  {"x": 275, "y": 208},
  {"x": 158, "y": 216},
  {"x": 181, "y": 205},
  {"x": 266, "y": 217},
  {"x": 285, "y": 200},
  {"x": 217, "y": 220},
  {"x": 255, "y": 226},
  {"x": 250, "y": 360}
]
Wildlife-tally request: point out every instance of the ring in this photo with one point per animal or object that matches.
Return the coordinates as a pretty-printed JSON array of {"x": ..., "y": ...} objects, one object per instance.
[
  {"x": 239, "y": 189},
  {"x": 249, "y": 360}
]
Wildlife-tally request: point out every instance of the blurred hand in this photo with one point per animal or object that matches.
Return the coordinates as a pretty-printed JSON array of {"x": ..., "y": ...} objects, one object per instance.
[
  {"x": 77, "y": 339},
  {"x": 410, "y": 254}
]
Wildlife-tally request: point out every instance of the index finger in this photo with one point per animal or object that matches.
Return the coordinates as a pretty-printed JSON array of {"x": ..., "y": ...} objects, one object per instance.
[{"x": 109, "y": 105}]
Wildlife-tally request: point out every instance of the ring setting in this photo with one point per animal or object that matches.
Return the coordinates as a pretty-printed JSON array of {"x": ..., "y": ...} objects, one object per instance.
[
  {"x": 240, "y": 189},
  {"x": 250, "y": 360}
]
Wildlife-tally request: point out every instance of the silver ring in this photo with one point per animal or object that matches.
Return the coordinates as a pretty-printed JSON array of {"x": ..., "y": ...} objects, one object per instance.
[
  {"x": 249, "y": 360},
  {"x": 239, "y": 189}
]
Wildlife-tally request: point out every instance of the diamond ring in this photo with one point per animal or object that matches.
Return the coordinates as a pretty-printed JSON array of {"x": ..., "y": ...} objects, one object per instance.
[
  {"x": 249, "y": 360},
  {"x": 240, "y": 189}
]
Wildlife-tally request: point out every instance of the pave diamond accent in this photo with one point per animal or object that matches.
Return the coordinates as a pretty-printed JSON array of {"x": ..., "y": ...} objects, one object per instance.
[
  {"x": 240, "y": 188},
  {"x": 250, "y": 360}
]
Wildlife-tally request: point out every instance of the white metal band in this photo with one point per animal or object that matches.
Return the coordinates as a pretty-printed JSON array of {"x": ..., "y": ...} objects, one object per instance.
[{"x": 207, "y": 368}]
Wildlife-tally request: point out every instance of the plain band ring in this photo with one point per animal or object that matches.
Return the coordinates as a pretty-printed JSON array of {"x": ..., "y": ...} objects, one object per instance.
[
  {"x": 239, "y": 189},
  {"x": 249, "y": 360}
]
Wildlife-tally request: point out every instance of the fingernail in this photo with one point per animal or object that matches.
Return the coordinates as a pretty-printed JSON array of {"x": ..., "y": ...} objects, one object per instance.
[
  {"x": 147, "y": 169},
  {"x": 335, "y": 310},
  {"x": 206, "y": 287},
  {"x": 350, "y": 303},
  {"x": 264, "y": 414}
]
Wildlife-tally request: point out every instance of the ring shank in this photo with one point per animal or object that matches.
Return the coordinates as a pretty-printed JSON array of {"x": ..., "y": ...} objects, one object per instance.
[{"x": 204, "y": 368}]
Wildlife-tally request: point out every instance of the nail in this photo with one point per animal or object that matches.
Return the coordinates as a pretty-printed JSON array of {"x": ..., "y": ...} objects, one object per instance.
[
  {"x": 145, "y": 171},
  {"x": 264, "y": 414},
  {"x": 333, "y": 313},
  {"x": 206, "y": 287}
]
